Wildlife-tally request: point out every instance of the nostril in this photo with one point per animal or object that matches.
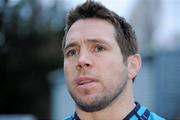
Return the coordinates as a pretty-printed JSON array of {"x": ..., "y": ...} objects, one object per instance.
[
  {"x": 82, "y": 66},
  {"x": 87, "y": 65},
  {"x": 78, "y": 67}
]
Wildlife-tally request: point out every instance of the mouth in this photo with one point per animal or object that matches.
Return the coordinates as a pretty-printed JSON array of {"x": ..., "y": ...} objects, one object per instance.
[{"x": 84, "y": 80}]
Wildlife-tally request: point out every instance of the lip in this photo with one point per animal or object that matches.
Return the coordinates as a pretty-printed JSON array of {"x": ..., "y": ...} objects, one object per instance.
[{"x": 84, "y": 80}]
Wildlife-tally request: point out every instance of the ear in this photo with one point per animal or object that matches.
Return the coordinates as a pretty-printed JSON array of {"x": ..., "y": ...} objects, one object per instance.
[{"x": 134, "y": 65}]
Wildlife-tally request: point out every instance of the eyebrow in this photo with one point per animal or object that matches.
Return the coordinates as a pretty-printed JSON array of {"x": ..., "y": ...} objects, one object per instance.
[
  {"x": 70, "y": 45},
  {"x": 97, "y": 41}
]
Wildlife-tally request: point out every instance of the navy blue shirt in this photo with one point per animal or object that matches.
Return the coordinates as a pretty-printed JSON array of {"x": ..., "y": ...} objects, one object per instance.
[{"x": 138, "y": 113}]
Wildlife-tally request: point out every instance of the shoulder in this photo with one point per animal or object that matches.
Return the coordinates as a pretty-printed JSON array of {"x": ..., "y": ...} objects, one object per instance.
[
  {"x": 68, "y": 118},
  {"x": 154, "y": 116},
  {"x": 145, "y": 114}
]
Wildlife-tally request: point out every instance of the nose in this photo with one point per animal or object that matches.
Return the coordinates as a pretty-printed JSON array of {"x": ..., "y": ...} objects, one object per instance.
[{"x": 84, "y": 61}]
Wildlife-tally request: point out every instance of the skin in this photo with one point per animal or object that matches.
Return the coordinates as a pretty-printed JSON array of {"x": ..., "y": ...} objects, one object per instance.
[{"x": 96, "y": 75}]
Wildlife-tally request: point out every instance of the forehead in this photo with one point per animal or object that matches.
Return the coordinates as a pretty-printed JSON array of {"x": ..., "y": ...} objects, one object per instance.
[{"x": 92, "y": 28}]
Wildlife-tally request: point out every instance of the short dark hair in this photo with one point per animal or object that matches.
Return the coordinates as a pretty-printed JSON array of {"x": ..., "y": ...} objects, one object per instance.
[{"x": 125, "y": 35}]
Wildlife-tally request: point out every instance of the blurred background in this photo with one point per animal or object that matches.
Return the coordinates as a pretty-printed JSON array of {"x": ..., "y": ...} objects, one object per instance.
[{"x": 31, "y": 77}]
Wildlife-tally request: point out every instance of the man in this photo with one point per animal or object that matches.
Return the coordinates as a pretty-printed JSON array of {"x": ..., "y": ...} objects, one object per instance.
[{"x": 101, "y": 61}]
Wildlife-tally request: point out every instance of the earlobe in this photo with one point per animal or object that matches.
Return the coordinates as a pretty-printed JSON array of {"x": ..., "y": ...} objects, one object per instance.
[{"x": 134, "y": 65}]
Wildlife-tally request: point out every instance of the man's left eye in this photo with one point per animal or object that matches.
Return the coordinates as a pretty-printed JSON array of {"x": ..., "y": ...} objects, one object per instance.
[{"x": 99, "y": 49}]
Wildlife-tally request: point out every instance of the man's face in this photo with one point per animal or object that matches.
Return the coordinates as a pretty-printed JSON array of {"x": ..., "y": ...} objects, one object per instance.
[{"x": 93, "y": 64}]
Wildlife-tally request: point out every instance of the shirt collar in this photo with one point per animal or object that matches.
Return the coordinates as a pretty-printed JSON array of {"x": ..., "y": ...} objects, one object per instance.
[{"x": 133, "y": 111}]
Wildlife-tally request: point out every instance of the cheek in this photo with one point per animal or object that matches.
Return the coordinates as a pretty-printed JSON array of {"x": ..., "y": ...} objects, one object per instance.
[
  {"x": 68, "y": 71},
  {"x": 113, "y": 70}
]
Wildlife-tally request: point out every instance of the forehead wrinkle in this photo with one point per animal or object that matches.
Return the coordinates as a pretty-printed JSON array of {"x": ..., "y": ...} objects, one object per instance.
[{"x": 73, "y": 33}]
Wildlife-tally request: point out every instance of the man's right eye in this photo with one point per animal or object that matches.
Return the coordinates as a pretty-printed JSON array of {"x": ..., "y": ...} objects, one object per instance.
[{"x": 72, "y": 53}]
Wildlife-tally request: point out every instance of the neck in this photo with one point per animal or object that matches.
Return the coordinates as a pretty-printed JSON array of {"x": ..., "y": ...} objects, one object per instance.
[{"x": 117, "y": 110}]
